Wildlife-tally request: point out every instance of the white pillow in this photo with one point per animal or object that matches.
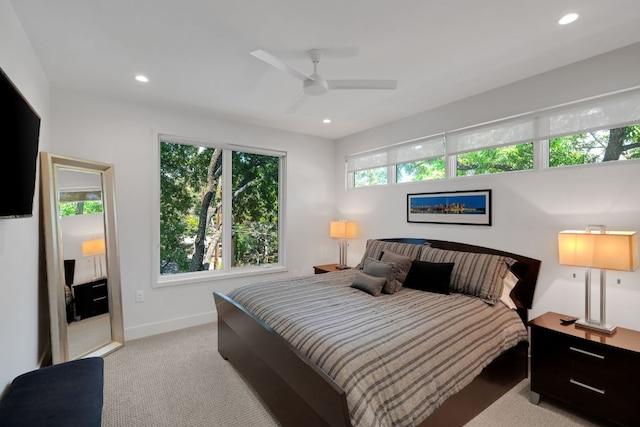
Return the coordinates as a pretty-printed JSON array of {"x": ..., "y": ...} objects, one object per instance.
[{"x": 508, "y": 283}]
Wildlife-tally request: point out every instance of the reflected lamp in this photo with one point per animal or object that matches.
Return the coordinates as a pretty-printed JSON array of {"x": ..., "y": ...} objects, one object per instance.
[
  {"x": 94, "y": 248},
  {"x": 342, "y": 230},
  {"x": 595, "y": 247}
]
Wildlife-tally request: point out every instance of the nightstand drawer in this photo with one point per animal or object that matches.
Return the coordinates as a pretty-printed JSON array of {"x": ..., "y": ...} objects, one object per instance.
[
  {"x": 605, "y": 400},
  {"x": 586, "y": 359}
]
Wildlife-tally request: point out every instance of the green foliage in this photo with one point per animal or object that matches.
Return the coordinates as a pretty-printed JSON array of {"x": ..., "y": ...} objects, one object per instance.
[
  {"x": 190, "y": 233},
  {"x": 595, "y": 147},
  {"x": 80, "y": 208},
  {"x": 255, "y": 208},
  {"x": 181, "y": 185},
  {"x": 369, "y": 177},
  {"x": 495, "y": 160},
  {"x": 421, "y": 170}
]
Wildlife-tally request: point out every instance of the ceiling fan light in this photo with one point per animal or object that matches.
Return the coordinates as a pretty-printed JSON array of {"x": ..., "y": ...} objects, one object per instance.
[{"x": 315, "y": 87}]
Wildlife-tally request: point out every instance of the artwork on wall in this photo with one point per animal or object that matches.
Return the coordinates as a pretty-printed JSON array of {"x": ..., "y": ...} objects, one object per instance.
[{"x": 450, "y": 207}]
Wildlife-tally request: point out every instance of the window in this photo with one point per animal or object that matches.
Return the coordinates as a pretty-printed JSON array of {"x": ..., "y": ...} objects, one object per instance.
[
  {"x": 220, "y": 207},
  {"x": 421, "y": 170},
  {"x": 80, "y": 202},
  {"x": 416, "y": 160},
  {"x": 495, "y": 160},
  {"x": 594, "y": 147},
  {"x": 369, "y": 177},
  {"x": 595, "y": 130}
]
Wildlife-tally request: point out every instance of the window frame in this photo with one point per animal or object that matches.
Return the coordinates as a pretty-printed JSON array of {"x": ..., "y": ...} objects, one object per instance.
[{"x": 227, "y": 272}]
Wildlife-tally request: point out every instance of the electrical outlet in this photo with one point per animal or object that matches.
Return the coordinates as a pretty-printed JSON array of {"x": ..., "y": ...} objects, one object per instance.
[{"x": 139, "y": 296}]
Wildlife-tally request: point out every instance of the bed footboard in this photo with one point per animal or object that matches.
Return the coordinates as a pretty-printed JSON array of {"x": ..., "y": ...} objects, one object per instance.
[{"x": 294, "y": 389}]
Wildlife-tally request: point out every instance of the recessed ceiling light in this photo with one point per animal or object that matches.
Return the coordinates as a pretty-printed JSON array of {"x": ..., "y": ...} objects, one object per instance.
[
  {"x": 142, "y": 78},
  {"x": 326, "y": 121},
  {"x": 568, "y": 18}
]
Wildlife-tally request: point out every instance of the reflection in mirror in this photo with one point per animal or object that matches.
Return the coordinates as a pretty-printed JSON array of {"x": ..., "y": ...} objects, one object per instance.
[
  {"x": 82, "y": 257},
  {"x": 80, "y": 210}
]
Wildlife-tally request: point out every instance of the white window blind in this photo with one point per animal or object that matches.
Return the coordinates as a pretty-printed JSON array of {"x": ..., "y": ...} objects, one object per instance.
[
  {"x": 421, "y": 149},
  {"x": 605, "y": 112},
  {"x": 510, "y": 132},
  {"x": 366, "y": 161}
]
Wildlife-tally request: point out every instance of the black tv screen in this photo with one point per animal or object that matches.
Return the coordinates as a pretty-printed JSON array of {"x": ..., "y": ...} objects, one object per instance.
[{"x": 20, "y": 131}]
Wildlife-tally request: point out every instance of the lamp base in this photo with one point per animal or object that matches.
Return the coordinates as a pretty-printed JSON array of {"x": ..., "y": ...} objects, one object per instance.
[
  {"x": 596, "y": 326},
  {"x": 342, "y": 267}
]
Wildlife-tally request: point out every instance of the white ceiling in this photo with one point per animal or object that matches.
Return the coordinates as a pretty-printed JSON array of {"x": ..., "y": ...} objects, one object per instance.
[{"x": 196, "y": 52}]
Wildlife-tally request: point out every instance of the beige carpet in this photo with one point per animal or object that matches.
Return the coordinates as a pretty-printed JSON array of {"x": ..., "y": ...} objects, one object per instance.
[
  {"x": 179, "y": 379},
  {"x": 88, "y": 334}
]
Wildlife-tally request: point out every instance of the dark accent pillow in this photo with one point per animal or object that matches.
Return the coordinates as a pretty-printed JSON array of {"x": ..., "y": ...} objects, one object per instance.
[
  {"x": 369, "y": 284},
  {"x": 388, "y": 270},
  {"x": 403, "y": 263},
  {"x": 429, "y": 276},
  {"x": 475, "y": 274}
]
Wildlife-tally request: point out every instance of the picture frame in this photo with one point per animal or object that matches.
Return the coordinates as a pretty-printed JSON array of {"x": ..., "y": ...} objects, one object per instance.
[{"x": 471, "y": 207}]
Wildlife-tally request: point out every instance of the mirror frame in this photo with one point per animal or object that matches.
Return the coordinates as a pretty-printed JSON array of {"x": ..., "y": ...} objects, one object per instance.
[{"x": 49, "y": 163}]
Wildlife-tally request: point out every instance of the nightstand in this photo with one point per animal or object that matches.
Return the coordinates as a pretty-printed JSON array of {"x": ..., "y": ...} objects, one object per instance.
[
  {"x": 590, "y": 371},
  {"x": 327, "y": 268},
  {"x": 91, "y": 298}
]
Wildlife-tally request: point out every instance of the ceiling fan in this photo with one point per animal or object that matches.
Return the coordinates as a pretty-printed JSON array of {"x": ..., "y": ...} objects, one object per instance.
[{"x": 314, "y": 84}]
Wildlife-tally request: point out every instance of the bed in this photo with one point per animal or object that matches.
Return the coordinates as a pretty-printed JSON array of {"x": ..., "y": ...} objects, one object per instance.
[{"x": 320, "y": 351}]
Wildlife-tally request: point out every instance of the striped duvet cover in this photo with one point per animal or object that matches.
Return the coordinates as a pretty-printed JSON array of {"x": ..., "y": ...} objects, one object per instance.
[{"x": 397, "y": 357}]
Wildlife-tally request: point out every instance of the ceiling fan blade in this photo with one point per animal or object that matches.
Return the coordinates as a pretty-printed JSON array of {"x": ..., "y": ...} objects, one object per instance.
[
  {"x": 362, "y": 84},
  {"x": 297, "y": 102},
  {"x": 274, "y": 61}
]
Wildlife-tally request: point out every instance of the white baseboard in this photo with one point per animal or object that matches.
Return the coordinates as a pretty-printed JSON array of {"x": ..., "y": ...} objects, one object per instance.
[{"x": 149, "y": 329}]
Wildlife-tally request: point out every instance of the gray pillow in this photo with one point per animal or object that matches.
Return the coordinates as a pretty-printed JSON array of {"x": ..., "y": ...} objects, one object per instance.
[
  {"x": 388, "y": 270},
  {"x": 403, "y": 264},
  {"x": 369, "y": 284},
  {"x": 375, "y": 247}
]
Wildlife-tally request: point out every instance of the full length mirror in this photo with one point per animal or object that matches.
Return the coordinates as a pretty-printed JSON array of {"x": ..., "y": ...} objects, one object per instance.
[{"x": 83, "y": 271}]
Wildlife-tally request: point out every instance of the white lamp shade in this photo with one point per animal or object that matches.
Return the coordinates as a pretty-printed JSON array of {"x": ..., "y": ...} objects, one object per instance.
[
  {"x": 93, "y": 247},
  {"x": 342, "y": 229},
  {"x": 613, "y": 250}
]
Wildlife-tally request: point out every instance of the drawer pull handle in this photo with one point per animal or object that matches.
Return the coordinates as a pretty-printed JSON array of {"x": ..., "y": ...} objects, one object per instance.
[
  {"x": 98, "y": 299},
  {"x": 588, "y": 387},
  {"x": 99, "y": 285},
  {"x": 588, "y": 353}
]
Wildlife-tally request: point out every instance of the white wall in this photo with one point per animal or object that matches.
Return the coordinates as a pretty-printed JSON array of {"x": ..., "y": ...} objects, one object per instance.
[
  {"x": 529, "y": 208},
  {"x": 123, "y": 134},
  {"x": 23, "y": 312}
]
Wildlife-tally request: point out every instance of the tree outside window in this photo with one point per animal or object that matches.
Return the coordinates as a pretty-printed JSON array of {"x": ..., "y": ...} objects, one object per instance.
[
  {"x": 193, "y": 195},
  {"x": 594, "y": 147},
  {"x": 496, "y": 160}
]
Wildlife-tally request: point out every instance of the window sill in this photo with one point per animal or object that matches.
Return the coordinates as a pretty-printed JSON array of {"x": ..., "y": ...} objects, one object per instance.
[{"x": 208, "y": 276}]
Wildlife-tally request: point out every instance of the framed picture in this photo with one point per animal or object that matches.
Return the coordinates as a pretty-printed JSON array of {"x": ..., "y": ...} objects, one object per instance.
[{"x": 450, "y": 207}]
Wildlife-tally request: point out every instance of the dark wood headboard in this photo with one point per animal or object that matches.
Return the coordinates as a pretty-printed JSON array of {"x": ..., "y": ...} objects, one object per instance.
[{"x": 525, "y": 268}]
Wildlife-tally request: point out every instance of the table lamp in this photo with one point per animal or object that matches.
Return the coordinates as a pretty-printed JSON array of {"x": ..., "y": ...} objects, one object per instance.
[
  {"x": 595, "y": 247},
  {"x": 94, "y": 248},
  {"x": 342, "y": 230}
]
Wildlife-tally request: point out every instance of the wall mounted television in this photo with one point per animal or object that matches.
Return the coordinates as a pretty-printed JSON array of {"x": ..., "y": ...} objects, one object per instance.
[{"x": 20, "y": 129}]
